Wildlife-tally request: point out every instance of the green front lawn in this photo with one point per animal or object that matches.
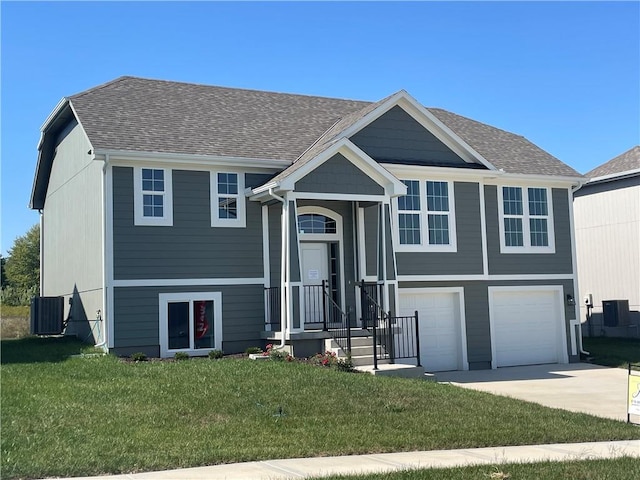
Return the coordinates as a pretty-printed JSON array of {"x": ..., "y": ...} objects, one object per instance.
[
  {"x": 613, "y": 352},
  {"x": 626, "y": 468},
  {"x": 93, "y": 415}
]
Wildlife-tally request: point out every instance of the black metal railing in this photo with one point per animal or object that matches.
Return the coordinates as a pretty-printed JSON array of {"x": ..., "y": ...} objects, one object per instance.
[
  {"x": 320, "y": 308},
  {"x": 336, "y": 321},
  {"x": 394, "y": 338},
  {"x": 369, "y": 308},
  {"x": 314, "y": 303},
  {"x": 272, "y": 308}
]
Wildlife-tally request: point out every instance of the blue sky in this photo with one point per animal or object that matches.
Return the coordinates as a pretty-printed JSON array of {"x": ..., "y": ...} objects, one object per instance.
[{"x": 564, "y": 75}]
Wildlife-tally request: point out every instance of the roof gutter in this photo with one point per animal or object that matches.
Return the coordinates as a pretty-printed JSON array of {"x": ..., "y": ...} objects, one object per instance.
[{"x": 614, "y": 176}]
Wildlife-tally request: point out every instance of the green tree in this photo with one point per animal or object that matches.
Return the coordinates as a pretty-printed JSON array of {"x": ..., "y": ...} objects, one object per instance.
[
  {"x": 22, "y": 268},
  {"x": 3, "y": 276}
]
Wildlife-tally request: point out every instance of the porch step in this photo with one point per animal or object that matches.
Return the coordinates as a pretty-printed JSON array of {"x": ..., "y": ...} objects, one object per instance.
[{"x": 356, "y": 342}]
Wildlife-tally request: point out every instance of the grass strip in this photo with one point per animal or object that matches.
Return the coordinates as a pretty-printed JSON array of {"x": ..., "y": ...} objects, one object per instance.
[
  {"x": 613, "y": 352},
  {"x": 624, "y": 468},
  {"x": 75, "y": 416}
]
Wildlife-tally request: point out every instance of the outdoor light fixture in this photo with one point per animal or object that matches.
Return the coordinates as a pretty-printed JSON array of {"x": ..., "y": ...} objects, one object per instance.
[{"x": 570, "y": 300}]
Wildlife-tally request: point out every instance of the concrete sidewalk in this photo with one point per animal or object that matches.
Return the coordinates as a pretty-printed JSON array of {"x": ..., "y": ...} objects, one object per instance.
[{"x": 385, "y": 462}]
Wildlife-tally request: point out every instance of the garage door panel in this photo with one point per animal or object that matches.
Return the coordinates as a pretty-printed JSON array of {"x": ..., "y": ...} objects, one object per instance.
[
  {"x": 439, "y": 323},
  {"x": 526, "y": 327}
]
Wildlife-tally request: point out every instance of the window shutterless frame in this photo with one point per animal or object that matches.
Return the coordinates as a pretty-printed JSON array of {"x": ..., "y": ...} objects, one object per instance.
[
  {"x": 526, "y": 219},
  {"x": 425, "y": 217},
  {"x": 190, "y": 322},
  {"x": 152, "y": 196},
  {"x": 228, "y": 202}
]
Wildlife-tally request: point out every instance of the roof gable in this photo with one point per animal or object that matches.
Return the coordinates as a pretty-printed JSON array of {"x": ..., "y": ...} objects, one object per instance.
[
  {"x": 396, "y": 137},
  {"x": 142, "y": 116},
  {"x": 287, "y": 179}
]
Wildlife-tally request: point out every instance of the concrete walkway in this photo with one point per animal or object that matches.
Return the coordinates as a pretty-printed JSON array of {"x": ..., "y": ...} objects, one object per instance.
[
  {"x": 577, "y": 387},
  {"x": 387, "y": 462}
]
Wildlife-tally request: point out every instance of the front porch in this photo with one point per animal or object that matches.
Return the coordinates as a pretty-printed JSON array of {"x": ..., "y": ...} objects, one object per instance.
[{"x": 376, "y": 341}]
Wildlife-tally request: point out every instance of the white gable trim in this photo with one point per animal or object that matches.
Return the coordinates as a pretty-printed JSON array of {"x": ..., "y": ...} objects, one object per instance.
[
  {"x": 425, "y": 118},
  {"x": 371, "y": 168}
]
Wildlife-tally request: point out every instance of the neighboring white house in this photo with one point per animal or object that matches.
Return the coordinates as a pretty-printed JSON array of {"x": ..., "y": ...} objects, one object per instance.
[{"x": 607, "y": 221}]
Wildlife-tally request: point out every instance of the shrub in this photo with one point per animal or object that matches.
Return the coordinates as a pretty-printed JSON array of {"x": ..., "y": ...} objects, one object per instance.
[
  {"x": 253, "y": 350},
  {"x": 138, "y": 357},
  {"x": 326, "y": 359},
  {"x": 215, "y": 354},
  {"x": 277, "y": 355},
  {"x": 344, "y": 365},
  {"x": 181, "y": 356}
]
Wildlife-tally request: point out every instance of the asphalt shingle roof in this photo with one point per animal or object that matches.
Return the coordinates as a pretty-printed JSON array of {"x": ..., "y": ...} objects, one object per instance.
[
  {"x": 629, "y": 160},
  {"x": 505, "y": 150},
  {"x": 136, "y": 114}
]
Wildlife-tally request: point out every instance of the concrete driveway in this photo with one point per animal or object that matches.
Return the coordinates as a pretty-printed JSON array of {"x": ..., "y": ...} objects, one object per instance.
[{"x": 578, "y": 387}]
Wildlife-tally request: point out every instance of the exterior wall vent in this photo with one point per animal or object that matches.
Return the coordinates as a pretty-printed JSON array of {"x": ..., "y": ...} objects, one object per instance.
[
  {"x": 615, "y": 313},
  {"x": 47, "y": 315}
]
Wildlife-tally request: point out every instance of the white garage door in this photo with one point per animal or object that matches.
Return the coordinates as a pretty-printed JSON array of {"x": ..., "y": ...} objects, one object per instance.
[
  {"x": 439, "y": 325},
  {"x": 526, "y": 326}
]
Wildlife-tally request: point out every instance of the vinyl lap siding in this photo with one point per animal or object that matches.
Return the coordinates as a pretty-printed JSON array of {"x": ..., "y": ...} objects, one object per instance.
[
  {"x": 136, "y": 313},
  {"x": 530, "y": 263},
  {"x": 190, "y": 248},
  {"x": 396, "y": 137},
  {"x": 338, "y": 175},
  {"x": 468, "y": 259},
  {"x": 72, "y": 233}
]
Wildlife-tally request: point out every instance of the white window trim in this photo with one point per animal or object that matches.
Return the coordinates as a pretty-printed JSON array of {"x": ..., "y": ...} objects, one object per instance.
[
  {"x": 216, "y": 221},
  {"x": 166, "y": 298},
  {"x": 424, "y": 245},
  {"x": 526, "y": 230},
  {"x": 139, "y": 218}
]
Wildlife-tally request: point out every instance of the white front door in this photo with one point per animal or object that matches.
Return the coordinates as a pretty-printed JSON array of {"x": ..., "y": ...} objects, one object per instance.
[
  {"x": 441, "y": 336},
  {"x": 315, "y": 269}
]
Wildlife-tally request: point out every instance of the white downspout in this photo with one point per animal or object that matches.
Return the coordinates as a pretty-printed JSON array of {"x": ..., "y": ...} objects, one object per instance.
[
  {"x": 575, "y": 266},
  {"x": 284, "y": 310},
  {"x": 105, "y": 314}
]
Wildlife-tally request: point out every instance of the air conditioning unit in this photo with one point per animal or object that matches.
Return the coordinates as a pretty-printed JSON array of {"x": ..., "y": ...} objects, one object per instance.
[
  {"x": 615, "y": 313},
  {"x": 47, "y": 315}
]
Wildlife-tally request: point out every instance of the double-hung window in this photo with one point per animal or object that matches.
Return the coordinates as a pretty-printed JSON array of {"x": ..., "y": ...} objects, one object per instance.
[
  {"x": 227, "y": 199},
  {"x": 153, "y": 203},
  {"x": 409, "y": 214},
  {"x": 526, "y": 224},
  {"x": 426, "y": 217}
]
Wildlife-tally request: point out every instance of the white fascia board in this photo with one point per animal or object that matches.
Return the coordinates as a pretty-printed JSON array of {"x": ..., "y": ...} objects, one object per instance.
[
  {"x": 444, "y": 172},
  {"x": 264, "y": 188},
  {"x": 614, "y": 176},
  {"x": 54, "y": 113},
  {"x": 548, "y": 180},
  {"x": 185, "y": 158}
]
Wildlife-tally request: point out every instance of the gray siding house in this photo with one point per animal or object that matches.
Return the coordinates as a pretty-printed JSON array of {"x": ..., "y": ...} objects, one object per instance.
[{"x": 181, "y": 217}]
